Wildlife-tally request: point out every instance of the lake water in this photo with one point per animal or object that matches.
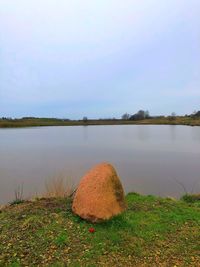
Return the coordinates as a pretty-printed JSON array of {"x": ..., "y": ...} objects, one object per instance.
[{"x": 149, "y": 159}]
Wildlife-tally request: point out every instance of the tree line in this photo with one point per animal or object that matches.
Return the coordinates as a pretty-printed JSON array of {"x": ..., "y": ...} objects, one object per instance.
[
  {"x": 140, "y": 115},
  {"x": 144, "y": 114}
]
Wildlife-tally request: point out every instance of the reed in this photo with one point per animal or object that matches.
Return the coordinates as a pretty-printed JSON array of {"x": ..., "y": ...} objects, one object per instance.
[{"x": 59, "y": 186}]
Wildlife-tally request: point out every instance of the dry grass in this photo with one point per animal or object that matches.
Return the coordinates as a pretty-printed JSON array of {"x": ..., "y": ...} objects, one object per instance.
[
  {"x": 19, "y": 195},
  {"x": 59, "y": 186}
]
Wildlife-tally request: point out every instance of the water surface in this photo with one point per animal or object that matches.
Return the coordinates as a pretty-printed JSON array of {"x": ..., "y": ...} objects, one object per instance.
[{"x": 150, "y": 159}]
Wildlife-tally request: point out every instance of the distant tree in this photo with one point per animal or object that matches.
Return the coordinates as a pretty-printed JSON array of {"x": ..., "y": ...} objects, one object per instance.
[
  {"x": 6, "y": 118},
  {"x": 173, "y": 116},
  {"x": 140, "y": 115},
  {"x": 196, "y": 114},
  {"x": 147, "y": 114},
  {"x": 85, "y": 119},
  {"x": 126, "y": 116}
]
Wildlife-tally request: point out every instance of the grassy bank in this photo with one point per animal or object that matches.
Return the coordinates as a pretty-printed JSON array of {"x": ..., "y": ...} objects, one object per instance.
[
  {"x": 152, "y": 232},
  {"x": 58, "y": 122}
]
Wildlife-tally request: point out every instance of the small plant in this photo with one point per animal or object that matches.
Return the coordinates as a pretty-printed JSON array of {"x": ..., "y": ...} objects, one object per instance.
[
  {"x": 115, "y": 238},
  {"x": 17, "y": 202},
  {"x": 62, "y": 239},
  {"x": 191, "y": 198},
  {"x": 15, "y": 264},
  {"x": 19, "y": 191},
  {"x": 188, "y": 196}
]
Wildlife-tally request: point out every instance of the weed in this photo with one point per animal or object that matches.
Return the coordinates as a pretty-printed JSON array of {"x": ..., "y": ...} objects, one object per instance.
[
  {"x": 62, "y": 239},
  {"x": 59, "y": 186},
  {"x": 191, "y": 198},
  {"x": 18, "y": 192}
]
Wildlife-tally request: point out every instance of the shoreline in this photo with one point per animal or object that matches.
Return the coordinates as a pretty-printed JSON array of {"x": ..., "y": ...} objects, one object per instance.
[{"x": 24, "y": 123}]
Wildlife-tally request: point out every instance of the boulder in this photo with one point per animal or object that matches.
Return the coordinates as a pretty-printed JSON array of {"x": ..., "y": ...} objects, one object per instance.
[{"x": 100, "y": 194}]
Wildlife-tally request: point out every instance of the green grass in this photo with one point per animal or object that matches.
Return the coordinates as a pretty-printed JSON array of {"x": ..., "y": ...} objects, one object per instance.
[
  {"x": 33, "y": 122},
  {"x": 152, "y": 231}
]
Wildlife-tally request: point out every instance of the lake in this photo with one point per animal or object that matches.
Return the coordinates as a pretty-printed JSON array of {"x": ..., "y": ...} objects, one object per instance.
[{"x": 160, "y": 160}]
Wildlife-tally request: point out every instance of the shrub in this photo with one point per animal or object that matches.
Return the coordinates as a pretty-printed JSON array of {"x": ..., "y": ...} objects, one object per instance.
[{"x": 190, "y": 198}]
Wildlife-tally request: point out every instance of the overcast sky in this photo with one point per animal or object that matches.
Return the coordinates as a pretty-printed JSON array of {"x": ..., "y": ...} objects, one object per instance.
[{"x": 100, "y": 58}]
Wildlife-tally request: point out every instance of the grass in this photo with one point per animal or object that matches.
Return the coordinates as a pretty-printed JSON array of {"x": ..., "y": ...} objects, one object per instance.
[
  {"x": 33, "y": 122},
  {"x": 152, "y": 232}
]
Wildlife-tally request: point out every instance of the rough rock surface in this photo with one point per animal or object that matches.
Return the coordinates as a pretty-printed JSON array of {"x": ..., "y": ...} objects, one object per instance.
[{"x": 100, "y": 194}]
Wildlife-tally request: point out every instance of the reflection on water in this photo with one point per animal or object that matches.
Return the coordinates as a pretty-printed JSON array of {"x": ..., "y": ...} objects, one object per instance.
[
  {"x": 142, "y": 135},
  {"x": 172, "y": 132},
  {"x": 149, "y": 159}
]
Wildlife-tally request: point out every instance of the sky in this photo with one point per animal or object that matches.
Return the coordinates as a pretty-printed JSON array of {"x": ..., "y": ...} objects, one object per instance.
[{"x": 100, "y": 58}]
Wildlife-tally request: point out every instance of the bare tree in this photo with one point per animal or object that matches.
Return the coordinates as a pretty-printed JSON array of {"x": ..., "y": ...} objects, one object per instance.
[
  {"x": 125, "y": 116},
  {"x": 173, "y": 116},
  {"x": 85, "y": 119}
]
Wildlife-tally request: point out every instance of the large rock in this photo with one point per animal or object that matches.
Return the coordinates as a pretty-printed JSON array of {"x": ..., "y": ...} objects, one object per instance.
[{"x": 100, "y": 194}]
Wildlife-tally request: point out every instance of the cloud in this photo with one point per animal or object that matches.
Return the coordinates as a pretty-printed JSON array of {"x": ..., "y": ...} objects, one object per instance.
[
  {"x": 113, "y": 53},
  {"x": 191, "y": 90}
]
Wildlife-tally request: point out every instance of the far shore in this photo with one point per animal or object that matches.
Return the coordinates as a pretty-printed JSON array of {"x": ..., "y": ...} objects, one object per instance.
[{"x": 36, "y": 122}]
